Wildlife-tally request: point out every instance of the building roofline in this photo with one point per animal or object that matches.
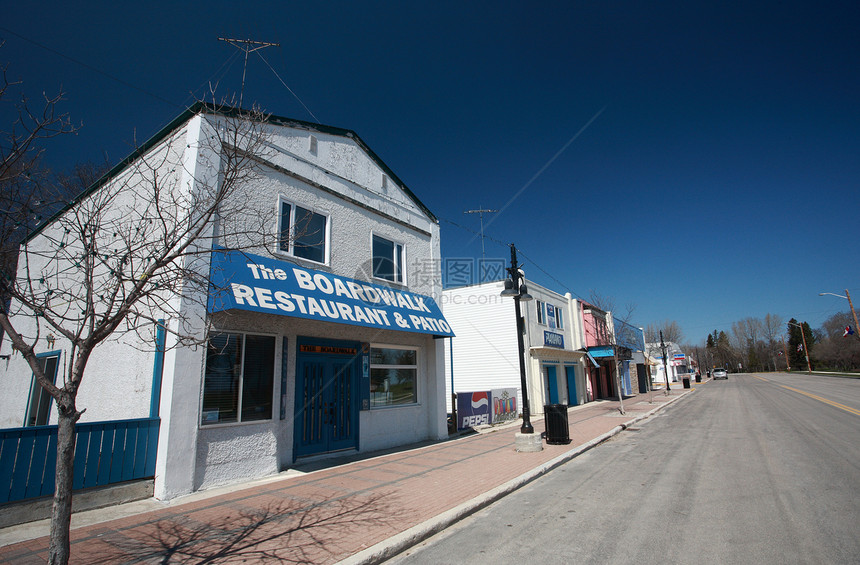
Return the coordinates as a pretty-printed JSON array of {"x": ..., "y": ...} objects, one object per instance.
[{"x": 227, "y": 111}]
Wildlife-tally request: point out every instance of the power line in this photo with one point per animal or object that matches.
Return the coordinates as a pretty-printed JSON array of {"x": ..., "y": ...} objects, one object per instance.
[
  {"x": 562, "y": 285},
  {"x": 308, "y": 110},
  {"x": 92, "y": 68}
]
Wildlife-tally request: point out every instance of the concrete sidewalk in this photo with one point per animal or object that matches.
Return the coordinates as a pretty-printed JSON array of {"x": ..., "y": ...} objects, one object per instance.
[{"x": 362, "y": 511}]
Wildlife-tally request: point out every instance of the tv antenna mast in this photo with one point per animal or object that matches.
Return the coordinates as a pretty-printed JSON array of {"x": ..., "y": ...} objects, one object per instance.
[
  {"x": 481, "y": 212},
  {"x": 248, "y": 46}
]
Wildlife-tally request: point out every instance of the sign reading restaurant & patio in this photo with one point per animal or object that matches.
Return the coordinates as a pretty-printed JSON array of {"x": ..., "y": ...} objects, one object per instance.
[{"x": 250, "y": 282}]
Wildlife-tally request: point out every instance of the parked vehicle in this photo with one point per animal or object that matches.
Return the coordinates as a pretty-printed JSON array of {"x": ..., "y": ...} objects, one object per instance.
[{"x": 720, "y": 374}]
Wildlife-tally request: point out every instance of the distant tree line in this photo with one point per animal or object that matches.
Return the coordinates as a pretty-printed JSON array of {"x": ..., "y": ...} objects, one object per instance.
[{"x": 770, "y": 344}]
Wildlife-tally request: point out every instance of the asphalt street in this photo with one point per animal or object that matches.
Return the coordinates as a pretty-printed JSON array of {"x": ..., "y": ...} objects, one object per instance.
[{"x": 757, "y": 469}]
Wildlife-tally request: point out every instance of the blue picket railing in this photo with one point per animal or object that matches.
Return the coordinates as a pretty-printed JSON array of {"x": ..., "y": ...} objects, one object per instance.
[{"x": 105, "y": 453}]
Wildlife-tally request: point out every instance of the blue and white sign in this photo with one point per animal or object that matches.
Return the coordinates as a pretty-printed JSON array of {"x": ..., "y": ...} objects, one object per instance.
[
  {"x": 250, "y": 282},
  {"x": 553, "y": 339},
  {"x": 550, "y": 316}
]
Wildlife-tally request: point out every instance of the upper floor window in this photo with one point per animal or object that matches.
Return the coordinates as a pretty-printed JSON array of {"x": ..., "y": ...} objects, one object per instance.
[
  {"x": 549, "y": 315},
  {"x": 388, "y": 260},
  {"x": 302, "y": 233},
  {"x": 39, "y": 403}
]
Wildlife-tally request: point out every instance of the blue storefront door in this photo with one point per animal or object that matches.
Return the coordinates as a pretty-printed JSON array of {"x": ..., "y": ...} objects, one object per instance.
[
  {"x": 552, "y": 384},
  {"x": 572, "y": 397},
  {"x": 326, "y": 396}
]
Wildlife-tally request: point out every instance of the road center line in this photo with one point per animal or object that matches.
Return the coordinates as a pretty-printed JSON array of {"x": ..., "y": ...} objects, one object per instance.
[{"x": 824, "y": 400}]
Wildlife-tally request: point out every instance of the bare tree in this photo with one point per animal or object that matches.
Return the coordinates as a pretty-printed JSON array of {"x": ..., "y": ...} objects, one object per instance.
[
  {"x": 836, "y": 350},
  {"x": 128, "y": 253},
  {"x": 772, "y": 327},
  {"x": 623, "y": 333},
  {"x": 670, "y": 328},
  {"x": 25, "y": 197}
]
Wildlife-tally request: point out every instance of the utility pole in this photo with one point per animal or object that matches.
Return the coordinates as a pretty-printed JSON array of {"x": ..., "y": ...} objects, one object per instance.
[
  {"x": 805, "y": 348},
  {"x": 481, "y": 212},
  {"x": 248, "y": 46},
  {"x": 853, "y": 313}
]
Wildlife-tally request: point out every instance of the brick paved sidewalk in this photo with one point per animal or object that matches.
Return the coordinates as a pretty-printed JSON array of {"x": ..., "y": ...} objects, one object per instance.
[{"x": 358, "y": 512}]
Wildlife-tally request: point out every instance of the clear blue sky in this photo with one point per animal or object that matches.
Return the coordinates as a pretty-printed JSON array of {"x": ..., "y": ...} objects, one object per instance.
[{"x": 716, "y": 178}]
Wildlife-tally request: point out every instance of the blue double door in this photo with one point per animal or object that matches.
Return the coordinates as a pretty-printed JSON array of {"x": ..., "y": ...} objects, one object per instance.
[
  {"x": 552, "y": 385},
  {"x": 327, "y": 399}
]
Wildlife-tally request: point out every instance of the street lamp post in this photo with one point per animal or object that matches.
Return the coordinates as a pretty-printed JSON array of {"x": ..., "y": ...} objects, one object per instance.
[
  {"x": 851, "y": 305},
  {"x": 805, "y": 349},
  {"x": 665, "y": 367},
  {"x": 519, "y": 293}
]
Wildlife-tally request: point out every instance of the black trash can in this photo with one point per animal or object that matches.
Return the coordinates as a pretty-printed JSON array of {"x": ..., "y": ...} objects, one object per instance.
[
  {"x": 686, "y": 382},
  {"x": 555, "y": 418},
  {"x": 698, "y": 377}
]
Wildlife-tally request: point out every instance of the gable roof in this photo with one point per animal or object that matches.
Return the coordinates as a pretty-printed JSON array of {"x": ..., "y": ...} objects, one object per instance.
[{"x": 230, "y": 111}]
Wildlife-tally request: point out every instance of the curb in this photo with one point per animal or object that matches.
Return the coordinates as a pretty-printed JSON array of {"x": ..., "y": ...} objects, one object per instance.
[{"x": 399, "y": 543}]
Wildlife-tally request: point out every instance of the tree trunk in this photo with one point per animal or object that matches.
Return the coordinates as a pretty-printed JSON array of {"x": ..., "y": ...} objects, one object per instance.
[
  {"x": 618, "y": 385},
  {"x": 61, "y": 511}
]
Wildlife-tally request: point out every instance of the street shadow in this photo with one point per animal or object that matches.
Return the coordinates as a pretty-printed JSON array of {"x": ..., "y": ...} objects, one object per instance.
[{"x": 285, "y": 531}]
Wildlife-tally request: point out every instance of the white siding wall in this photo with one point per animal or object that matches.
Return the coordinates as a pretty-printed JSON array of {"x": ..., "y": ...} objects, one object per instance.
[{"x": 485, "y": 347}]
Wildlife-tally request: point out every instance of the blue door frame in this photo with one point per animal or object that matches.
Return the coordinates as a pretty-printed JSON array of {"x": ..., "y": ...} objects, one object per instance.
[
  {"x": 572, "y": 397},
  {"x": 327, "y": 396}
]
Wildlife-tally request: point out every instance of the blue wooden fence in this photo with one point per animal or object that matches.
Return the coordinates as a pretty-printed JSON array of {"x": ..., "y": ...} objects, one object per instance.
[{"x": 105, "y": 453}]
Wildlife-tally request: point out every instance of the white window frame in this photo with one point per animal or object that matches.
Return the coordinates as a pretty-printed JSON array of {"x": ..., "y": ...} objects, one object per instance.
[
  {"x": 559, "y": 321},
  {"x": 43, "y": 395},
  {"x": 402, "y": 259},
  {"x": 541, "y": 312},
  {"x": 416, "y": 366},
  {"x": 290, "y": 251},
  {"x": 275, "y": 367}
]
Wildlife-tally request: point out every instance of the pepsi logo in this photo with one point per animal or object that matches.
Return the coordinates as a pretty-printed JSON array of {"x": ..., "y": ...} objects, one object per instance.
[{"x": 479, "y": 400}]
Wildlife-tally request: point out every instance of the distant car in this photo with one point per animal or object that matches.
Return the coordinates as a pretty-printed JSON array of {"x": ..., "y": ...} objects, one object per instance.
[{"x": 720, "y": 374}]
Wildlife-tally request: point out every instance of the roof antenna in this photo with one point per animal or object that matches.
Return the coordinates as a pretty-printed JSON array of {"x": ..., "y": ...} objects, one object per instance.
[
  {"x": 481, "y": 212},
  {"x": 248, "y": 46}
]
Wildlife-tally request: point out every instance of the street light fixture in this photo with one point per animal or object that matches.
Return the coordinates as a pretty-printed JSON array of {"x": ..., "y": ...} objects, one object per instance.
[
  {"x": 519, "y": 293},
  {"x": 805, "y": 349},
  {"x": 851, "y": 304}
]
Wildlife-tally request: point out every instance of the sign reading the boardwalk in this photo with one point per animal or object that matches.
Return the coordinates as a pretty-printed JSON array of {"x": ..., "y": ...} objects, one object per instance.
[{"x": 250, "y": 282}]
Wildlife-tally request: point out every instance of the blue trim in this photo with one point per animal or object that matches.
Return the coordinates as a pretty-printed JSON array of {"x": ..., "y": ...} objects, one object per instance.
[
  {"x": 157, "y": 370},
  {"x": 601, "y": 351},
  {"x": 105, "y": 453},
  {"x": 284, "y": 362},
  {"x": 552, "y": 383}
]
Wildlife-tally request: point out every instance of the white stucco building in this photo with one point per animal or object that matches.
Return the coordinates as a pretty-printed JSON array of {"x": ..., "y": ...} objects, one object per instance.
[
  {"x": 484, "y": 355},
  {"x": 325, "y": 342}
]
